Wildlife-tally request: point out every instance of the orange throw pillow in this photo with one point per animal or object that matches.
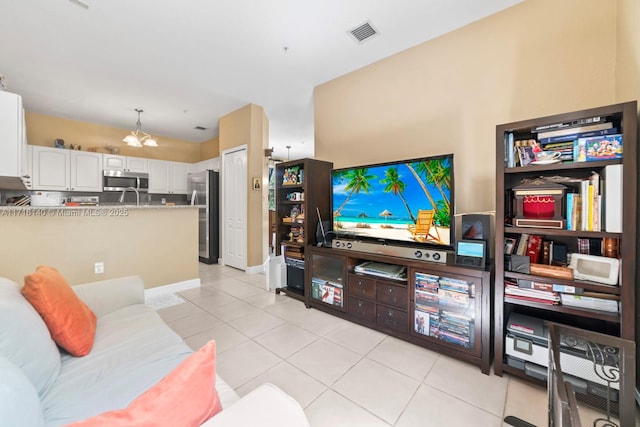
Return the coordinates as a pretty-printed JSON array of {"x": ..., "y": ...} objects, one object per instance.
[
  {"x": 71, "y": 322},
  {"x": 186, "y": 397}
]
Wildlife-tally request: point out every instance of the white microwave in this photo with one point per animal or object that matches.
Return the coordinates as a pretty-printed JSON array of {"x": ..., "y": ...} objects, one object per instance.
[{"x": 117, "y": 180}]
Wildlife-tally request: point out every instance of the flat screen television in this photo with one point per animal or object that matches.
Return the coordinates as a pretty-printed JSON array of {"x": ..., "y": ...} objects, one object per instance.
[{"x": 404, "y": 202}]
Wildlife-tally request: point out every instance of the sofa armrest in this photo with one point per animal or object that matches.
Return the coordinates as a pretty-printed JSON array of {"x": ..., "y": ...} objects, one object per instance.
[
  {"x": 265, "y": 406},
  {"x": 108, "y": 295}
]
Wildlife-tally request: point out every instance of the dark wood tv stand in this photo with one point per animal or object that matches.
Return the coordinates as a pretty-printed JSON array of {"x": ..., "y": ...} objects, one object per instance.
[{"x": 455, "y": 323}]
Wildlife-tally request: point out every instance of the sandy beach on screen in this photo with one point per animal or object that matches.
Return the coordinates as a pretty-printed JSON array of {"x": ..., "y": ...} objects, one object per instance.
[{"x": 392, "y": 231}]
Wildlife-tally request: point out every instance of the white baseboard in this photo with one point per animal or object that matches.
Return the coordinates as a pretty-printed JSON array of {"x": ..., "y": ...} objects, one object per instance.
[
  {"x": 172, "y": 288},
  {"x": 256, "y": 269}
]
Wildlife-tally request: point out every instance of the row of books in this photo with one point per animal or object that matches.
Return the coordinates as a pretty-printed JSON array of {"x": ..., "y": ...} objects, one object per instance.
[
  {"x": 539, "y": 250},
  {"x": 597, "y": 205},
  {"x": 549, "y": 252},
  {"x": 589, "y": 139},
  {"x": 555, "y": 294}
]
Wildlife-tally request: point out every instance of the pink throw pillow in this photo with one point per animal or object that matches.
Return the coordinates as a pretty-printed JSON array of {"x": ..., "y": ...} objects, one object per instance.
[{"x": 186, "y": 397}]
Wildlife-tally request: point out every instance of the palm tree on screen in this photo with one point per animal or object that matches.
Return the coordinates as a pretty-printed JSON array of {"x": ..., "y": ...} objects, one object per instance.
[
  {"x": 396, "y": 186},
  {"x": 358, "y": 180}
]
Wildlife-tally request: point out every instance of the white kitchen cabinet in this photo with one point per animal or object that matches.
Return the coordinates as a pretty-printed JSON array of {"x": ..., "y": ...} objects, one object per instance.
[
  {"x": 211, "y": 164},
  {"x": 178, "y": 175},
  {"x": 167, "y": 177},
  {"x": 57, "y": 169},
  {"x": 13, "y": 143},
  {"x": 125, "y": 163},
  {"x": 114, "y": 162},
  {"x": 137, "y": 164},
  {"x": 158, "y": 176},
  {"x": 86, "y": 171}
]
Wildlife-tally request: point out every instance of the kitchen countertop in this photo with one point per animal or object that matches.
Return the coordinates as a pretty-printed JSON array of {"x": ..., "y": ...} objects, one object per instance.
[{"x": 42, "y": 210}]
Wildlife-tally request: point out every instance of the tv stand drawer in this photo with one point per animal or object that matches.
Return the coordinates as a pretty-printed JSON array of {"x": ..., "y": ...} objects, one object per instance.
[
  {"x": 365, "y": 310},
  {"x": 388, "y": 317},
  {"x": 392, "y": 295},
  {"x": 362, "y": 286}
]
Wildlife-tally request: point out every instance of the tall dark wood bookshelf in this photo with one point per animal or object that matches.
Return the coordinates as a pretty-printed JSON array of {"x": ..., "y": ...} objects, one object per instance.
[
  {"x": 302, "y": 186},
  {"x": 621, "y": 324}
]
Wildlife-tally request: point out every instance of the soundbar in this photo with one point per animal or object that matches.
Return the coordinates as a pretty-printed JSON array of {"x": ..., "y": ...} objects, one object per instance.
[{"x": 430, "y": 255}]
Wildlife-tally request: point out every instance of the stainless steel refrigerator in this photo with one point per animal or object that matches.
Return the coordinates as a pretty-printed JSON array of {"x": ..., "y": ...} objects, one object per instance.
[{"x": 204, "y": 192}]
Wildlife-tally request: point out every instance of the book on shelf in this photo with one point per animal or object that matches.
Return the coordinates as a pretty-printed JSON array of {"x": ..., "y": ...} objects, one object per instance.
[
  {"x": 534, "y": 248},
  {"x": 538, "y": 286},
  {"x": 573, "y": 137},
  {"x": 558, "y": 254},
  {"x": 590, "y": 302},
  {"x": 590, "y": 201},
  {"x": 510, "y": 150},
  {"x": 523, "y": 241},
  {"x": 612, "y": 186},
  {"x": 568, "y": 124},
  {"x": 546, "y": 252},
  {"x": 518, "y": 292},
  {"x": 573, "y": 129},
  {"x": 567, "y": 289}
]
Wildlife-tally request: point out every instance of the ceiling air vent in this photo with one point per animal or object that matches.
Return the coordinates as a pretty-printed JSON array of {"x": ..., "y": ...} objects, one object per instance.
[
  {"x": 363, "y": 32},
  {"x": 200, "y": 128}
]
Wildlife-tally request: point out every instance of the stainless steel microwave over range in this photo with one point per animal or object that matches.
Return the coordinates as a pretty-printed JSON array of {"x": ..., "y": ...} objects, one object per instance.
[{"x": 117, "y": 180}]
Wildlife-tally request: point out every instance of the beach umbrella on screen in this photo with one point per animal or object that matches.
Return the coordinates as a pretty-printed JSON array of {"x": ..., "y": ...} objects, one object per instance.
[{"x": 385, "y": 213}]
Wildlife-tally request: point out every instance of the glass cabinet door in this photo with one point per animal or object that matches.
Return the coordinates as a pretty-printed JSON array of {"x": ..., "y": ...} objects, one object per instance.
[
  {"x": 327, "y": 280},
  {"x": 444, "y": 309}
]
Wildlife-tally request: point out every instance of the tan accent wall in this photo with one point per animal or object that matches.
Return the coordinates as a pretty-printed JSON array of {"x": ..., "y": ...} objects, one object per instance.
[
  {"x": 43, "y": 130},
  {"x": 249, "y": 126},
  {"x": 447, "y": 95},
  {"x": 628, "y": 51},
  {"x": 210, "y": 149},
  {"x": 160, "y": 245}
]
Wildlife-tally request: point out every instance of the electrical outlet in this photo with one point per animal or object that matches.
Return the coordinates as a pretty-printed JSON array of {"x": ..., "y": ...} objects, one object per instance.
[{"x": 98, "y": 267}]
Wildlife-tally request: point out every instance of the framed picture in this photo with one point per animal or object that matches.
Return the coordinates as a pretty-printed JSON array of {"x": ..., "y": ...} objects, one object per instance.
[
  {"x": 256, "y": 184},
  {"x": 509, "y": 245}
]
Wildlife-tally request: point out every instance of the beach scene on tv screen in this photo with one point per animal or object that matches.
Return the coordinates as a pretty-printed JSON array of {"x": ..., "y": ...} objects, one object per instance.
[{"x": 407, "y": 202}]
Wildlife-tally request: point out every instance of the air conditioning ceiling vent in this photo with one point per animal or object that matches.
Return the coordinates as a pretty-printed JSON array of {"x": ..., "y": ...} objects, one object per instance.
[{"x": 363, "y": 32}]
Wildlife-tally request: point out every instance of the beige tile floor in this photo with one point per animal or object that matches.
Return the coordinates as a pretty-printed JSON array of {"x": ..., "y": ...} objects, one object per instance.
[{"x": 341, "y": 373}]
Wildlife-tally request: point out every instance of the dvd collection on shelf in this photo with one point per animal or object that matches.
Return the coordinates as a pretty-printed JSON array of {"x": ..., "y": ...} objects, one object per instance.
[
  {"x": 327, "y": 291},
  {"x": 444, "y": 309}
]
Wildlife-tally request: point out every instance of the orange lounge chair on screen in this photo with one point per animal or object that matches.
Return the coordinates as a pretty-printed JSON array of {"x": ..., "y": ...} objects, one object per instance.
[{"x": 421, "y": 231}]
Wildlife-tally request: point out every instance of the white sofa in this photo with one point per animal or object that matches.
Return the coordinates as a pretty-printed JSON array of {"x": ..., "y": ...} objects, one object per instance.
[{"x": 41, "y": 385}]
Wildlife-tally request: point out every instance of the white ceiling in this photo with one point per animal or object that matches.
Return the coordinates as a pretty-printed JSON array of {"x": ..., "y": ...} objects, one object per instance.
[{"x": 189, "y": 62}]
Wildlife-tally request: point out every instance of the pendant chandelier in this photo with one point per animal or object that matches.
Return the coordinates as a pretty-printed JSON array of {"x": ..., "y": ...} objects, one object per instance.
[{"x": 138, "y": 138}]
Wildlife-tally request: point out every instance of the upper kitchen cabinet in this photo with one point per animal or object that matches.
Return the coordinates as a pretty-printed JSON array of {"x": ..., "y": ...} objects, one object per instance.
[
  {"x": 56, "y": 169},
  {"x": 168, "y": 177},
  {"x": 13, "y": 142},
  {"x": 125, "y": 163},
  {"x": 209, "y": 164}
]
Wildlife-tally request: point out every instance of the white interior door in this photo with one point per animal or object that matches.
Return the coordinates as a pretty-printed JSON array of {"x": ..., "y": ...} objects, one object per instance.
[{"x": 234, "y": 208}]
